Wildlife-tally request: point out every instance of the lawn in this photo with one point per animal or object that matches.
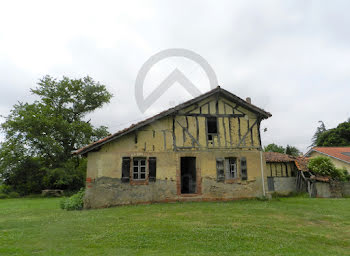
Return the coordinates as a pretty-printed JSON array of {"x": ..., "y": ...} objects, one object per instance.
[{"x": 288, "y": 226}]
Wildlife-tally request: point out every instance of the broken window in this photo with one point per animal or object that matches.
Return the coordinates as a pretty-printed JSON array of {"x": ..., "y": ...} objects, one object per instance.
[
  {"x": 244, "y": 173},
  {"x": 139, "y": 169},
  {"x": 231, "y": 168},
  {"x": 152, "y": 163},
  {"x": 220, "y": 170},
  {"x": 212, "y": 125},
  {"x": 126, "y": 169}
]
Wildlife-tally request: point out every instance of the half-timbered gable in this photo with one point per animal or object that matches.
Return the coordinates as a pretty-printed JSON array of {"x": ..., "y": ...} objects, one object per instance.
[{"x": 215, "y": 123}]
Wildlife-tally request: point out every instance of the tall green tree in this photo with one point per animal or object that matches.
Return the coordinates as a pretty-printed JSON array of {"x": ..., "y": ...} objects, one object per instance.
[
  {"x": 46, "y": 131},
  {"x": 274, "y": 148},
  {"x": 319, "y": 130},
  {"x": 337, "y": 137},
  {"x": 292, "y": 151},
  {"x": 289, "y": 150}
]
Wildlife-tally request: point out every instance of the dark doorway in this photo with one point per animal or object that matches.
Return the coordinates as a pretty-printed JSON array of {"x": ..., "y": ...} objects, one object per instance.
[{"x": 188, "y": 175}]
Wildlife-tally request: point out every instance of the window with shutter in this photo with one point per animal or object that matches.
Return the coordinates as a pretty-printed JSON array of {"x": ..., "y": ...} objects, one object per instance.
[
  {"x": 244, "y": 173},
  {"x": 126, "y": 169},
  {"x": 152, "y": 164},
  {"x": 220, "y": 171}
]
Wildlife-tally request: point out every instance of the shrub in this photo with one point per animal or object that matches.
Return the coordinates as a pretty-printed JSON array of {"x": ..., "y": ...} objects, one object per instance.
[
  {"x": 3, "y": 196},
  {"x": 13, "y": 194},
  {"x": 5, "y": 189},
  {"x": 324, "y": 166},
  {"x": 75, "y": 202},
  {"x": 24, "y": 177},
  {"x": 70, "y": 176},
  {"x": 29, "y": 176},
  {"x": 262, "y": 198},
  {"x": 290, "y": 194},
  {"x": 343, "y": 174}
]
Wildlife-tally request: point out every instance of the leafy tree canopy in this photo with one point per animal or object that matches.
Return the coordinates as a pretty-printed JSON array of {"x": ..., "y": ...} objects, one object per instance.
[
  {"x": 42, "y": 135},
  {"x": 289, "y": 150},
  {"x": 321, "y": 129},
  {"x": 292, "y": 151},
  {"x": 337, "y": 137},
  {"x": 274, "y": 148}
]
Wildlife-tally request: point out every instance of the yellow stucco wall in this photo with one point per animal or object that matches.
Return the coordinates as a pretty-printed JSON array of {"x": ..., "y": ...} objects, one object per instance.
[
  {"x": 109, "y": 164},
  {"x": 337, "y": 163}
]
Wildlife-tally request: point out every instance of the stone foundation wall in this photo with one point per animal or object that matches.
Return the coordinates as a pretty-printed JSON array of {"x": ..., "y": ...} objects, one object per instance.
[
  {"x": 332, "y": 189},
  {"x": 106, "y": 192},
  {"x": 346, "y": 189}
]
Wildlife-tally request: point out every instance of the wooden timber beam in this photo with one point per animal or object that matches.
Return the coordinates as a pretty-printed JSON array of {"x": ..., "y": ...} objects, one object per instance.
[
  {"x": 212, "y": 115},
  {"x": 246, "y": 134},
  {"x": 189, "y": 134}
]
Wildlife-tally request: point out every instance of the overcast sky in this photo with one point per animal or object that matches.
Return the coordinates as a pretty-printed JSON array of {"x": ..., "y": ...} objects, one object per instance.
[{"x": 291, "y": 57}]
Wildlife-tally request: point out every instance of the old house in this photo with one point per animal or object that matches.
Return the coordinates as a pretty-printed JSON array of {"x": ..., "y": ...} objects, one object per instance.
[
  {"x": 340, "y": 156},
  {"x": 208, "y": 148}
]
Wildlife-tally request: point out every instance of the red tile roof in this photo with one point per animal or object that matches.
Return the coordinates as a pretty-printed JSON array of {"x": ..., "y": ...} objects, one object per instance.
[
  {"x": 335, "y": 152},
  {"x": 301, "y": 162},
  {"x": 277, "y": 157}
]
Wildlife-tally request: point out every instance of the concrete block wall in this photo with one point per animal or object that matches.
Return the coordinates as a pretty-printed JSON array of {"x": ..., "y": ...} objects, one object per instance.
[{"x": 284, "y": 185}]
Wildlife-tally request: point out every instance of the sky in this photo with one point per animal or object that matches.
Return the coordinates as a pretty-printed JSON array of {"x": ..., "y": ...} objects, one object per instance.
[{"x": 291, "y": 58}]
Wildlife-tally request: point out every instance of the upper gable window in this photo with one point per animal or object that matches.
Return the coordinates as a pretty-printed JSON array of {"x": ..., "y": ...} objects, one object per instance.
[{"x": 212, "y": 125}]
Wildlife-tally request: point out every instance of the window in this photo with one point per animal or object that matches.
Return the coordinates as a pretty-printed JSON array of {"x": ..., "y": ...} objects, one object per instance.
[
  {"x": 226, "y": 169},
  {"x": 152, "y": 163},
  {"x": 244, "y": 173},
  {"x": 220, "y": 170},
  {"x": 231, "y": 168},
  {"x": 126, "y": 169},
  {"x": 212, "y": 125},
  {"x": 139, "y": 169}
]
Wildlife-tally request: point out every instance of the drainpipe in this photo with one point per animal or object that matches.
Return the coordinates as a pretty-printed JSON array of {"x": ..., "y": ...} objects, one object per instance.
[{"x": 262, "y": 172}]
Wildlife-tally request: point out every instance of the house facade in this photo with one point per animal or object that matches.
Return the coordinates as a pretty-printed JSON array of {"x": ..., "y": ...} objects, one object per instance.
[
  {"x": 340, "y": 156},
  {"x": 208, "y": 148}
]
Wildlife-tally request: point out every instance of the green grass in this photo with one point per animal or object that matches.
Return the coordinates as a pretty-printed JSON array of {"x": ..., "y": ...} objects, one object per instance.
[{"x": 289, "y": 226}]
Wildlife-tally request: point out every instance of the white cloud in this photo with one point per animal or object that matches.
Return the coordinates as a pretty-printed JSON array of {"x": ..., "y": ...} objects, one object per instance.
[{"x": 290, "y": 57}]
